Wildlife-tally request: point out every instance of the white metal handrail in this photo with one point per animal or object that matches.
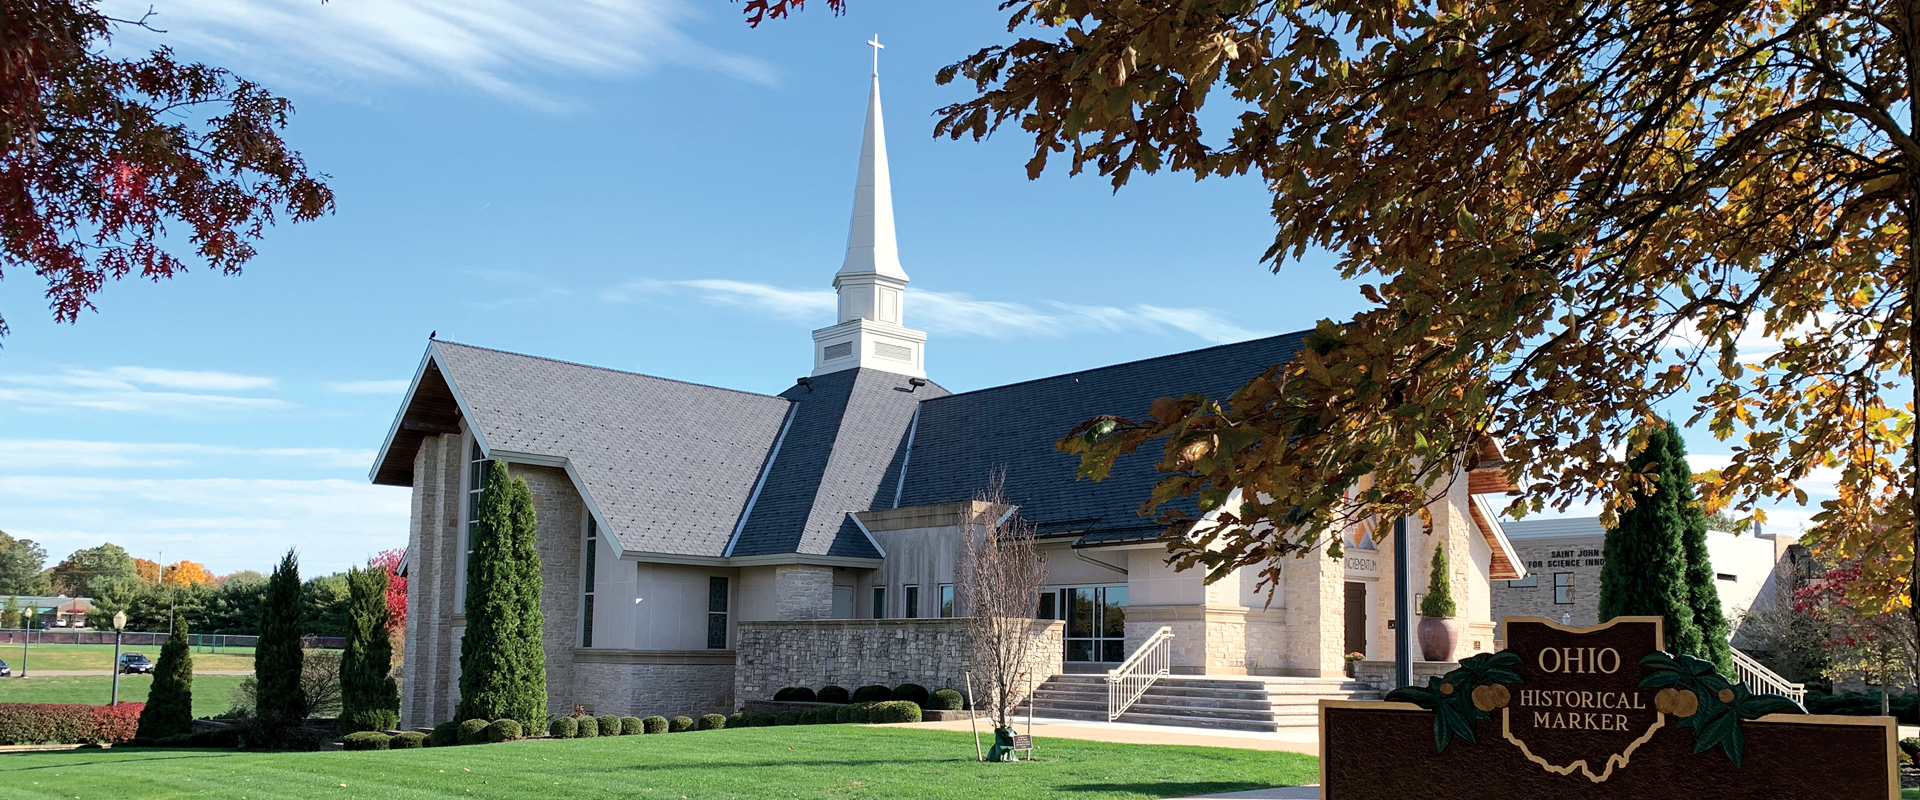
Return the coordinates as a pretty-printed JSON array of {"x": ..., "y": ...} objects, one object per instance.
[
  {"x": 1149, "y": 663},
  {"x": 1765, "y": 681}
]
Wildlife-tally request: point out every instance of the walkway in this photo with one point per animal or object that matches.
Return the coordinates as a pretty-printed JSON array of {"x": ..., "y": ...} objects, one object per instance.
[{"x": 1294, "y": 741}]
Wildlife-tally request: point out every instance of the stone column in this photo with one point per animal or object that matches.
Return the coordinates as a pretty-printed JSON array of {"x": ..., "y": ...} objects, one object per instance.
[{"x": 803, "y": 591}]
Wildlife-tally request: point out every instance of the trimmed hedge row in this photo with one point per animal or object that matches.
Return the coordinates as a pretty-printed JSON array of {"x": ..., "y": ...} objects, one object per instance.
[
  {"x": 943, "y": 700},
  {"x": 1904, "y": 707},
  {"x": 68, "y": 723}
]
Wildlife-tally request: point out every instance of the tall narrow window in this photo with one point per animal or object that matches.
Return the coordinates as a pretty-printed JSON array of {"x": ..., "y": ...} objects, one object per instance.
[
  {"x": 911, "y": 600},
  {"x": 477, "y": 467},
  {"x": 716, "y": 613},
  {"x": 587, "y": 576},
  {"x": 1563, "y": 588},
  {"x": 946, "y": 600},
  {"x": 879, "y": 602}
]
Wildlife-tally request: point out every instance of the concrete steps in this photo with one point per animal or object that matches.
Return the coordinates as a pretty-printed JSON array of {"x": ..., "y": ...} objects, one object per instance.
[{"x": 1230, "y": 703}]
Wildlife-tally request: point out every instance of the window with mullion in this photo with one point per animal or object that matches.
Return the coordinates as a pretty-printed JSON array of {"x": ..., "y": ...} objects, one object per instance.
[{"x": 717, "y": 591}]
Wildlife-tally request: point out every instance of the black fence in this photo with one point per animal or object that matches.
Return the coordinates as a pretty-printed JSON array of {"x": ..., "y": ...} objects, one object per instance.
[{"x": 150, "y": 639}]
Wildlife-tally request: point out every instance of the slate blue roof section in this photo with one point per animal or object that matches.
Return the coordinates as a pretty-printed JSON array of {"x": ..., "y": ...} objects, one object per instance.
[
  {"x": 961, "y": 438},
  {"x": 669, "y": 464},
  {"x": 847, "y": 439}
]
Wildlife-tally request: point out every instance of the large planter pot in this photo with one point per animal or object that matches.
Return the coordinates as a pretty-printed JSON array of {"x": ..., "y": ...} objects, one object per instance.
[{"x": 1438, "y": 637}]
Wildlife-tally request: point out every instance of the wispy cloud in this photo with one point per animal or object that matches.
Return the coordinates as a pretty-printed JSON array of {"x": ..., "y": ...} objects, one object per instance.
[
  {"x": 395, "y": 386},
  {"x": 503, "y": 47},
  {"x": 136, "y": 389},
  {"x": 225, "y": 523},
  {"x": 953, "y": 313},
  {"x": 24, "y": 454}
]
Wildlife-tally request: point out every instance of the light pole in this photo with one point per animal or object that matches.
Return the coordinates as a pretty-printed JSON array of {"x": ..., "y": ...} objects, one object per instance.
[
  {"x": 1402, "y": 607},
  {"x": 119, "y": 629}
]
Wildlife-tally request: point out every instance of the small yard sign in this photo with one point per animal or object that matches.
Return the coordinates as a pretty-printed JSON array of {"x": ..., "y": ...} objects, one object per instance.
[{"x": 1597, "y": 712}]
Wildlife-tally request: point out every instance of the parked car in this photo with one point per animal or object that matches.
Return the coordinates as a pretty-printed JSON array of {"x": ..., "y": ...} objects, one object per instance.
[
  {"x": 134, "y": 662},
  {"x": 5, "y": 671}
]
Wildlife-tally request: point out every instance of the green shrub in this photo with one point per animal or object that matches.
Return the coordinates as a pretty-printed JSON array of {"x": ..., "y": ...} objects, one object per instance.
[
  {"x": 843, "y": 714},
  {"x": 445, "y": 734},
  {"x": 911, "y": 692},
  {"x": 588, "y": 728},
  {"x": 860, "y": 713},
  {"x": 140, "y": 741},
  {"x": 894, "y": 711},
  {"x": 1910, "y": 745},
  {"x": 834, "y": 694},
  {"x": 653, "y": 724},
  {"x": 367, "y": 740},
  {"x": 872, "y": 694},
  {"x": 680, "y": 724},
  {"x": 762, "y": 720},
  {"x": 505, "y": 730},
  {"x": 945, "y": 700},
  {"x": 200, "y": 739},
  {"x": 738, "y": 720},
  {"x": 176, "y": 740},
  {"x": 632, "y": 726},
  {"x": 712, "y": 722},
  {"x": 230, "y": 738},
  {"x": 1863, "y": 704},
  {"x": 609, "y": 725},
  {"x": 408, "y": 740},
  {"x": 787, "y": 718},
  {"x": 810, "y": 716},
  {"x": 562, "y": 727},
  {"x": 794, "y": 694},
  {"x": 473, "y": 731}
]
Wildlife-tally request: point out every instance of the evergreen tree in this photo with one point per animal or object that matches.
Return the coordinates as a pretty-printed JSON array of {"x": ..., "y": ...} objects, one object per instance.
[
  {"x": 531, "y": 704},
  {"x": 1646, "y": 563},
  {"x": 489, "y": 648},
  {"x": 277, "y": 657},
  {"x": 1703, "y": 593},
  {"x": 10, "y": 613},
  {"x": 369, "y": 699},
  {"x": 1439, "y": 600},
  {"x": 169, "y": 710}
]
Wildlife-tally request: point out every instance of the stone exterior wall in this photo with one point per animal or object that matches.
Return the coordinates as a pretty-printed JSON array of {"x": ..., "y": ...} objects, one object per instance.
[
  {"x": 430, "y": 684},
  {"x": 646, "y": 682},
  {"x": 562, "y": 529},
  {"x": 770, "y": 656},
  {"x": 803, "y": 591},
  {"x": 1545, "y": 558},
  {"x": 432, "y": 650}
]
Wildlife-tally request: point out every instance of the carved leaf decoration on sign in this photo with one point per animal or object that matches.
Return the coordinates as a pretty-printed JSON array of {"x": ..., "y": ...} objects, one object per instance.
[
  {"x": 1719, "y": 704},
  {"x": 1463, "y": 697}
]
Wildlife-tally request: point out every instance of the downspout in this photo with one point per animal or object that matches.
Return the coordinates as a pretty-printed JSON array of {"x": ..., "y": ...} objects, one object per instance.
[{"x": 1091, "y": 560}]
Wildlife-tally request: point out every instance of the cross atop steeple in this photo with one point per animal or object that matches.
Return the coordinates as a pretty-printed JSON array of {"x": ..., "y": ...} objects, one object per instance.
[{"x": 871, "y": 332}]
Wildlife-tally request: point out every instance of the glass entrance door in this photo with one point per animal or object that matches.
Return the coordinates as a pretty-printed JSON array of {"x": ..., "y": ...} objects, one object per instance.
[{"x": 1096, "y": 618}]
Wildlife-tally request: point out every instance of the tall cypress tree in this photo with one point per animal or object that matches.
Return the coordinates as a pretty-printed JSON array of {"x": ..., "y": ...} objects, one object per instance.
[
  {"x": 277, "y": 657},
  {"x": 369, "y": 699},
  {"x": 530, "y": 706},
  {"x": 1646, "y": 561},
  {"x": 169, "y": 710},
  {"x": 490, "y": 649},
  {"x": 1703, "y": 594}
]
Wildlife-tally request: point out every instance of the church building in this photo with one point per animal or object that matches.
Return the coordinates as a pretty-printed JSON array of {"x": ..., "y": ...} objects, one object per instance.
[{"x": 674, "y": 516}]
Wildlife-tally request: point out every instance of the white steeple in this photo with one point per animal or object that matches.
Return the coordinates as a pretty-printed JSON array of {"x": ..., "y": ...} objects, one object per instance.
[{"x": 870, "y": 283}]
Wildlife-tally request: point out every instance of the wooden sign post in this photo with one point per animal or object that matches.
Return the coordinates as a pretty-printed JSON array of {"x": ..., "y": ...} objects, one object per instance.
[{"x": 1597, "y": 712}]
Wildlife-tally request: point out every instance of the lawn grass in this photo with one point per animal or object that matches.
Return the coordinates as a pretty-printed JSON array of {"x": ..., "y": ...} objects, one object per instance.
[
  {"x": 212, "y": 694},
  {"x": 815, "y": 761},
  {"x": 100, "y": 657}
]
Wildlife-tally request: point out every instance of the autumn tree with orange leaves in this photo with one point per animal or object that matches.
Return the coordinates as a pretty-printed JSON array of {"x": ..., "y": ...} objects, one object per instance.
[{"x": 1567, "y": 216}]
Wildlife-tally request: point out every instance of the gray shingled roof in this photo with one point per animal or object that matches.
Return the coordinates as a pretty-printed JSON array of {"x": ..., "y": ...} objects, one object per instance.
[
  {"x": 849, "y": 431},
  {"x": 668, "y": 464},
  {"x": 962, "y": 437}
]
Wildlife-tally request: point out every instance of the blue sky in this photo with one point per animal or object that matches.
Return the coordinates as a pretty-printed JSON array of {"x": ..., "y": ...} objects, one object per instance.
[{"x": 640, "y": 184}]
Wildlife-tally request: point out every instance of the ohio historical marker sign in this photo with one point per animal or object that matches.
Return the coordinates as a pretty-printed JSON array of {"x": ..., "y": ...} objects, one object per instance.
[{"x": 1597, "y": 712}]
